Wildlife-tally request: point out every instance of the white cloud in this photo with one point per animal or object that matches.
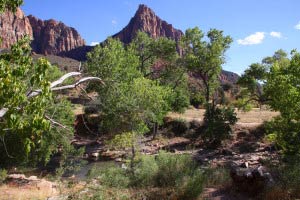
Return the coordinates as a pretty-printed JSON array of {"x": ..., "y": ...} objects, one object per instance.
[
  {"x": 114, "y": 22},
  {"x": 94, "y": 43},
  {"x": 276, "y": 34},
  {"x": 297, "y": 26},
  {"x": 255, "y": 38}
]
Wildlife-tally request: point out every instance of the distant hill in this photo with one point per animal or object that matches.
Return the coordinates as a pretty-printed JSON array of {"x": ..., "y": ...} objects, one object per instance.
[
  {"x": 64, "y": 63},
  {"x": 53, "y": 38}
]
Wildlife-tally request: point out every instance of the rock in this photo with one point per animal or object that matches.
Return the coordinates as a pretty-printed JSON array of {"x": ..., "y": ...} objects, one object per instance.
[
  {"x": 53, "y": 37},
  {"x": 226, "y": 152},
  {"x": 16, "y": 176},
  {"x": 118, "y": 159},
  {"x": 33, "y": 178},
  {"x": 251, "y": 181},
  {"x": 60, "y": 197},
  {"x": 13, "y": 26},
  {"x": 245, "y": 165},
  {"x": 95, "y": 155},
  {"x": 45, "y": 185},
  {"x": 147, "y": 21}
]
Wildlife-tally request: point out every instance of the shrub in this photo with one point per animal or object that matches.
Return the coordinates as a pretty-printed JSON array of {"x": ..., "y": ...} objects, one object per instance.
[
  {"x": 111, "y": 176},
  {"x": 177, "y": 174},
  {"x": 179, "y": 126},
  {"x": 144, "y": 172},
  {"x": 218, "y": 124},
  {"x": 216, "y": 176},
  {"x": 180, "y": 172},
  {"x": 3, "y": 175}
]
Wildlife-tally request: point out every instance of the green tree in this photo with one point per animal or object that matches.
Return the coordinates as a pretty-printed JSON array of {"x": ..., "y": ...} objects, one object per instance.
[
  {"x": 251, "y": 83},
  {"x": 253, "y": 80},
  {"x": 204, "y": 59},
  {"x": 128, "y": 101},
  {"x": 151, "y": 52},
  {"x": 10, "y": 5},
  {"x": 158, "y": 60},
  {"x": 278, "y": 78},
  {"x": 282, "y": 87},
  {"x": 26, "y": 133}
]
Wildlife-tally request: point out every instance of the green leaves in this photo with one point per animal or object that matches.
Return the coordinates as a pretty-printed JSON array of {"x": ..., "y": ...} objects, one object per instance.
[
  {"x": 10, "y": 5},
  {"x": 28, "y": 136},
  {"x": 131, "y": 100}
]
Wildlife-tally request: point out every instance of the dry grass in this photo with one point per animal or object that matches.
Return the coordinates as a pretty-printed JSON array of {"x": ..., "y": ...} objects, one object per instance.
[
  {"x": 24, "y": 193},
  {"x": 255, "y": 116}
]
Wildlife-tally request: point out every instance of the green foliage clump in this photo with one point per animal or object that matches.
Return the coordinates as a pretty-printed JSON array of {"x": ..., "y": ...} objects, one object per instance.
[
  {"x": 10, "y": 5},
  {"x": 218, "y": 124},
  {"x": 282, "y": 88},
  {"x": 216, "y": 177},
  {"x": 204, "y": 58},
  {"x": 27, "y": 135},
  {"x": 128, "y": 100},
  {"x": 3, "y": 175},
  {"x": 112, "y": 176},
  {"x": 176, "y": 173}
]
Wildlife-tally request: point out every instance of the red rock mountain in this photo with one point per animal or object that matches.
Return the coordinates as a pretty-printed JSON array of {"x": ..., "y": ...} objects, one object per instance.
[
  {"x": 49, "y": 36},
  {"x": 52, "y": 37},
  {"x": 13, "y": 26},
  {"x": 55, "y": 38},
  {"x": 147, "y": 21}
]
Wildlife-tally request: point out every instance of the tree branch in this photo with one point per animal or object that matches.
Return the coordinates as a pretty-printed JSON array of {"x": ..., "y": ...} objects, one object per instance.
[{"x": 31, "y": 94}]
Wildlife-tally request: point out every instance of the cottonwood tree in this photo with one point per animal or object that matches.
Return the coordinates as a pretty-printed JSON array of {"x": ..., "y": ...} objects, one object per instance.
[
  {"x": 158, "y": 60},
  {"x": 253, "y": 80},
  {"x": 10, "y": 5},
  {"x": 128, "y": 101},
  {"x": 33, "y": 121},
  {"x": 204, "y": 58},
  {"x": 278, "y": 78},
  {"x": 282, "y": 88}
]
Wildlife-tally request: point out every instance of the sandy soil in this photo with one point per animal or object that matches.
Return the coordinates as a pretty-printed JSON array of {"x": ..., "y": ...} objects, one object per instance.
[{"x": 255, "y": 116}]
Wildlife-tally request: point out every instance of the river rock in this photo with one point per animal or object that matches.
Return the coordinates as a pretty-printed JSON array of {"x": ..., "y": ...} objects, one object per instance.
[{"x": 250, "y": 180}]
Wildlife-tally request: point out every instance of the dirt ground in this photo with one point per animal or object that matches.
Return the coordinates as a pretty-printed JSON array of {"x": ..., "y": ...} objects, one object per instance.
[{"x": 255, "y": 116}]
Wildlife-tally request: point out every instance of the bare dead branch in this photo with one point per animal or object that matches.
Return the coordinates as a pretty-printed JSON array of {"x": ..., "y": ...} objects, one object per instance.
[
  {"x": 63, "y": 78},
  {"x": 77, "y": 83},
  {"x": 31, "y": 94},
  {"x": 56, "y": 123}
]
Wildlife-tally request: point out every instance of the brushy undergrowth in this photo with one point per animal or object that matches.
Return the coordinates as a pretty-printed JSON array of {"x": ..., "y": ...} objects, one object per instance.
[
  {"x": 287, "y": 181},
  {"x": 164, "y": 176},
  {"x": 3, "y": 175}
]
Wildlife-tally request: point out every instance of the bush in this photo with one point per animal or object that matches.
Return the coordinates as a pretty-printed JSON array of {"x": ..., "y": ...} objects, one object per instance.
[
  {"x": 218, "y": 124},
  {"x": 177, "y": 174},
  {"x": 111, "y": 176},
  {"x": 216, "y": 176},
  {"x": 180, "y": 172},
  {"x": 286, "y": 134},
  {"x": 3, "y": 175},
  {"x": 287, "y": 179},
  {"x": 144, "y": 172}
]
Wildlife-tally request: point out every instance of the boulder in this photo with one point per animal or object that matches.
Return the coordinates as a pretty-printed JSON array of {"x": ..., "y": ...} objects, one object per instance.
[{"x": 251, "y": 181}]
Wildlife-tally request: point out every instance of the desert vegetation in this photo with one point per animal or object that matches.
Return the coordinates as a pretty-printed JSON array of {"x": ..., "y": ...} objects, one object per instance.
[{"x": 139, "y": 121}]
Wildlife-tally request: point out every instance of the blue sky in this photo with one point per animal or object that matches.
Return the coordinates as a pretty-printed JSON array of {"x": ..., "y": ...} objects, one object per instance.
[{"x": 258, "y": 27}]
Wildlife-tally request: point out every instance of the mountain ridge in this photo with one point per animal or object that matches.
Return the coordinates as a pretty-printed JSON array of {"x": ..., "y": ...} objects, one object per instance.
[{"x": 51, "y": 37}]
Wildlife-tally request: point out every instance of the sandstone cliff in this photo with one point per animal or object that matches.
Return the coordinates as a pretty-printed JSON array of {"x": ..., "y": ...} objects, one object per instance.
[
  {"x": 147, "y": 21},
  {"x": 13, "y": 26},
  {"x": 52, "y": 37}
]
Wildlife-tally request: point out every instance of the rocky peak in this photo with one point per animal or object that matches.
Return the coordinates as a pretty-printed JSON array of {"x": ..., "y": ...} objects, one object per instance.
[
  {"x": 53, "y": 37},
  {"x": 13, "y": 26},
  {"x": 147, "y": 21}
]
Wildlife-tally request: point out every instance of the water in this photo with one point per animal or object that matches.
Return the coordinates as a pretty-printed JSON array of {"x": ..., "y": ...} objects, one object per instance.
[{"x": 83, "y": 172}]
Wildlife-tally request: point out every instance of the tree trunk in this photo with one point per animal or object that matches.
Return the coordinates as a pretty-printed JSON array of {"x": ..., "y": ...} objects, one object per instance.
[
  {"x": 155, "y": 130},
  {"x": 132, "y": 159}
]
